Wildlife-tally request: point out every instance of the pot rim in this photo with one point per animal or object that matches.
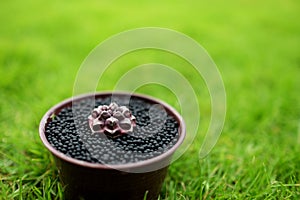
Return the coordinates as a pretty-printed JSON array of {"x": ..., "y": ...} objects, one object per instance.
[{"x": 161, "y": 157}]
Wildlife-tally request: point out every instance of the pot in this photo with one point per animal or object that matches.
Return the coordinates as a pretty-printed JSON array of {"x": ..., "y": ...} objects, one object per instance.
[{"x": 86, "y": 180}]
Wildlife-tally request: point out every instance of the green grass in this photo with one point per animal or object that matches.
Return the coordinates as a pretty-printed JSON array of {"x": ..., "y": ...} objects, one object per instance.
[{"x": 255, "y": 44}]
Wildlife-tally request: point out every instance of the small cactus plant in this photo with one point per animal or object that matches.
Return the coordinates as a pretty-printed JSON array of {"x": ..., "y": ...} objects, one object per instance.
[{"x": 113, "y": 120}]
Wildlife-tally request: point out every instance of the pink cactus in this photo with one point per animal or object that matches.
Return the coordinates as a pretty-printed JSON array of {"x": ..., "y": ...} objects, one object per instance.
[{"x": 112, "y": 120}]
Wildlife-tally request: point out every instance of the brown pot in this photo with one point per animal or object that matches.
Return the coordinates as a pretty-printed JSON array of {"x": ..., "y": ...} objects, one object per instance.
[{"x": 84, "y": 180}]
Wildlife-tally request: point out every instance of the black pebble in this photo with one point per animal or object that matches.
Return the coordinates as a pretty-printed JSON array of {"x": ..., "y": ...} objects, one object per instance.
[{"x": 69, "y": 133}]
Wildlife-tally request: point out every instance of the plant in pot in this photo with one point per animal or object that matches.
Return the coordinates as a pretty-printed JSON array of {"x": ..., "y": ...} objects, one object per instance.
[{"x": 112, "y": 145}]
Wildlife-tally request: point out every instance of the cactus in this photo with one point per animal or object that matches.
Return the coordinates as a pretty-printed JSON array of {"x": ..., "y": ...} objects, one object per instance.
[{"x": 113, "y": 120}]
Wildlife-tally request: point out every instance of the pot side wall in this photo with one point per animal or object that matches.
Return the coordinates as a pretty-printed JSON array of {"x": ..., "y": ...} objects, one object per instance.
[{"x": 92, "y": 183}]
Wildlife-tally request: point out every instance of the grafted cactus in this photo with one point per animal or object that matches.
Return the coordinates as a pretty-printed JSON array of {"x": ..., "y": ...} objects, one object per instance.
[{"x": 112, "y": 120}]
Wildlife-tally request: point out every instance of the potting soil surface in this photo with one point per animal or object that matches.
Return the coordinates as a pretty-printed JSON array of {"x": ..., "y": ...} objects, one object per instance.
[{"x": 156, "y": 132}]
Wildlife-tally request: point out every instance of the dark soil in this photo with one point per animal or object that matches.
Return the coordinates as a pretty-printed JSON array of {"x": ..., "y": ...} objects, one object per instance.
[{"x": 155, "y": 133}]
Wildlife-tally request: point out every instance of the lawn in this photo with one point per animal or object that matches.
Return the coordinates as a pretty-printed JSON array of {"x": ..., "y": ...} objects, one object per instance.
[{"x": 255, "y": 45}]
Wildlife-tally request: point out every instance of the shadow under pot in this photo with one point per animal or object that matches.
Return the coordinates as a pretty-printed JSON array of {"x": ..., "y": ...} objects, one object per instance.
[{"x": 112, "y": 145}]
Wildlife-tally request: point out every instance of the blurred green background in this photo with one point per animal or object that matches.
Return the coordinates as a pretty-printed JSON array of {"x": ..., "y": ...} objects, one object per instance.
[{"x": 255, "y": 45}]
